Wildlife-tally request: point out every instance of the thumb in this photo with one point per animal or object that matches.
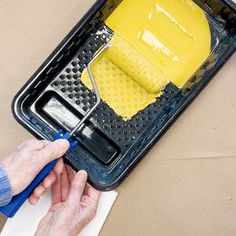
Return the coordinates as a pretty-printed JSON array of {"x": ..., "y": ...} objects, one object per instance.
[
  {"x": 52, "y": 151},
  {"x": 77, "y": 188}
]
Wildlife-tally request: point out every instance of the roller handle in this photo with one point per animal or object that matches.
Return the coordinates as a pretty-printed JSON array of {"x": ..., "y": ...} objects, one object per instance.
[{"x": 18, "y": 200}]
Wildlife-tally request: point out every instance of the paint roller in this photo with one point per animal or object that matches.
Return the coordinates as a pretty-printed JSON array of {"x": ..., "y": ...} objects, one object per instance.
[{"x": 136, "y": 65}]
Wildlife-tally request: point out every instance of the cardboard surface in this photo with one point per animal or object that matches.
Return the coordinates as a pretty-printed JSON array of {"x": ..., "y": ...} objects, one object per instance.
[{"x": 186, "y": 184}]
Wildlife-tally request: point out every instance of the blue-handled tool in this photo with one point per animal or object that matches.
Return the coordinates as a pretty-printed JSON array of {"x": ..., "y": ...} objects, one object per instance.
[{"x": 18, "y": 200}]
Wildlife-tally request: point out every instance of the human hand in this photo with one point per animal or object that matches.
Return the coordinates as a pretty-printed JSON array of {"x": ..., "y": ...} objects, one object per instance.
[
  {"x": 28, "y": 160},
  {"x": 74, "y": 205}
]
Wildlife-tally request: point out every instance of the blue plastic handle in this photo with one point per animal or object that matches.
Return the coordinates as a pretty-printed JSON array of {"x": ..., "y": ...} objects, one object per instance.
[{"x": 18, "y": 200}]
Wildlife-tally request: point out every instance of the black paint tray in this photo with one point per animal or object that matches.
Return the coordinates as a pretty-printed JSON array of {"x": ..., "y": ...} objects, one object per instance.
[{"x": 109, "y": 148}]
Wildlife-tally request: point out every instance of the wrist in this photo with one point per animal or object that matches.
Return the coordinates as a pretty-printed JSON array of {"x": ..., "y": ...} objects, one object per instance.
[
  {"x": 60, "y": 231},
  {"x": 56, "y": 232},
  {"x": 12, "y": 180}
]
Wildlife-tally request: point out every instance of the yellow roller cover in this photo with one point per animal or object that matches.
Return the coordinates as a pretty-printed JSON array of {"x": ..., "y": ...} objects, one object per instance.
[
  {"x": 123, "y": 94},
  {"x": 138, "y": 67}
]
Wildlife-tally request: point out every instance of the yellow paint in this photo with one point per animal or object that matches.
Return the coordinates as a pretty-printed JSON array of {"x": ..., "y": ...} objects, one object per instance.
[
  {"x": 119, "y": 90},
  {"x": 154, "y": 42}
]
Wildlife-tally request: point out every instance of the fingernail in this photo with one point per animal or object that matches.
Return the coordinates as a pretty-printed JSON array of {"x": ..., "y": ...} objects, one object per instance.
[
  {"x": 62, "y": 144},
  {"x": 82, "y": 174},
  {"x": 33, "y": 202}
]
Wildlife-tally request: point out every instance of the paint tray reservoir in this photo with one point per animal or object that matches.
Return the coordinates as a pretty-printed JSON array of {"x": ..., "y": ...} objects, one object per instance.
[{"x": 158, "y": 56}]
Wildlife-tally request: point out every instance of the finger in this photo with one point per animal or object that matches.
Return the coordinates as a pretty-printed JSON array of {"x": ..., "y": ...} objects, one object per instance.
[
  {"x": 71, "y": 173},
  {"x": 77, "y": 188},
  {"x": 39, "y": 191},
  {"x": 33, "y": 145},
  {"x": 92, "y": 193},
  {"x": 45, "y": 185},
  {"x": 56, "y": 190},
  {"x": 33, "y": 200},
  {"x": 49, "y": 180},
  {"x": 42, "y": 188},
  {"x": 65, "y": 185},
  {"x": 53, "y": 151},
  {"x": 89, "y": 203},
  {"x": 59, "y": 167}
]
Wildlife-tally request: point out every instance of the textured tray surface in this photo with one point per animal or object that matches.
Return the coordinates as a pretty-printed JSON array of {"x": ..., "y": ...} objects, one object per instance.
[{"x": 69, "y": 86}]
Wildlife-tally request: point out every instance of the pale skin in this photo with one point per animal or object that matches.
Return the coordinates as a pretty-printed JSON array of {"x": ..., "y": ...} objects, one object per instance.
[{"x": 74, "y": 201}]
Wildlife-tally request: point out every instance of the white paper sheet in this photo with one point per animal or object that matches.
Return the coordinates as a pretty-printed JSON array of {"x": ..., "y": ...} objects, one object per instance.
[{"x": 27, "y": 218}]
